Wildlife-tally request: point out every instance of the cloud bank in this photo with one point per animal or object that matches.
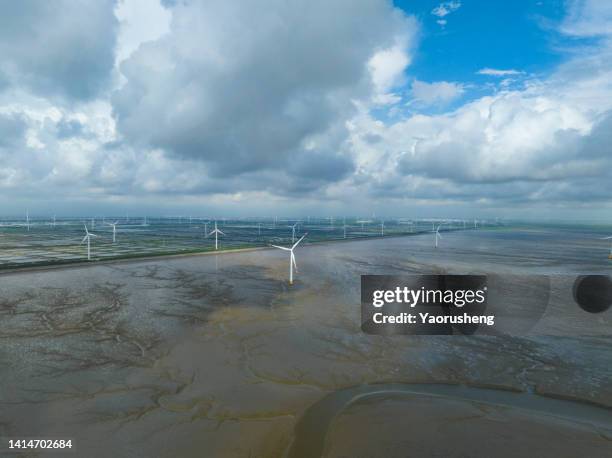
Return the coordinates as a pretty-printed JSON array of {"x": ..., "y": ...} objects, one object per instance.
[{"x": 297, "y": 105}]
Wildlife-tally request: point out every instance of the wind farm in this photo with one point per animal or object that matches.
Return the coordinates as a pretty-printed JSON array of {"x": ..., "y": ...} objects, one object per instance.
[{"x": 53, "y": 240}]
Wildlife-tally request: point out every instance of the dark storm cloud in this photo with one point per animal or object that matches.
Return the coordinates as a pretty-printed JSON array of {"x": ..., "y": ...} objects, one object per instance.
[
  {"x": 60, "y": 47},
  {"x": 247, "y": 87}
]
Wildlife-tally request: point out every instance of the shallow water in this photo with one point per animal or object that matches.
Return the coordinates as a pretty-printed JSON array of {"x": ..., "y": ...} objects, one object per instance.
[{"x": 216, "y": 355}]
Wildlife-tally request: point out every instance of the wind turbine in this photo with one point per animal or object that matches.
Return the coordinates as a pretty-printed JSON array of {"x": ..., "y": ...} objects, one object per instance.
[
  {"x": 87, "y": 238},
  {"x": 344, "y": 227},
  {"x": 437, "y": 234},
  {"x": 292, "y": 262},
  {"x": 609, "y": 238},
  {"x": 382, "y": 228},
  {"x": 206, "y": 230},
  {"x": 114, "y": 225},
  {"x": 28, "y": 220},
  {"x": 216, "y": 232},
  {"x": 293, "y": 232}
]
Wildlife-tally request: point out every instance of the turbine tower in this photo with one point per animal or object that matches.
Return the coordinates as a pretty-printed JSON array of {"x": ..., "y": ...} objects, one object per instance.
[
  {"x": 292, "y": 262},
  {"x": 88, "y": 236},
  {"x": 114, "y": 226},
  {"x": 216, "y": 232},
  {"x": 437, "y": 235},
  {"x": 293, "y": 232},
  {"x": 28, "y": 219}
]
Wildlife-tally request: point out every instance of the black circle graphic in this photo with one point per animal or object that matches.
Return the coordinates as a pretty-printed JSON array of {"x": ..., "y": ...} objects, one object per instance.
[{"x": 593, "y": 293}]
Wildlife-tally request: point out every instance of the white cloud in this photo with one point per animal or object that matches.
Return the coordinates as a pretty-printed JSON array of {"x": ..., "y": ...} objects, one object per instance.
[
  {"x": 436, "y": 93},
  {"x": 446, "y": 8},
  {"x": 387, "y": 68},
  {"x": 588, "y": 18},
  {"x": 497, "y": 72},
  {"x": 139, "y": 21},
  {"x": 223, "y": 104}
]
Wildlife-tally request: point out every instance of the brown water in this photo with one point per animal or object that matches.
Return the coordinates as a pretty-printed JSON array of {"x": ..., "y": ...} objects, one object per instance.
[{"x": 217, "y": 356}]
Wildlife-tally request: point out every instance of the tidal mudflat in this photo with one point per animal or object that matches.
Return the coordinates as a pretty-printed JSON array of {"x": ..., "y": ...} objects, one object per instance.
[{"x": 218, "y": 356}]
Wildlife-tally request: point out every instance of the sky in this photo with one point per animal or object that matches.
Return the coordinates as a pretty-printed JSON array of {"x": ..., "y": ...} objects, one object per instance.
[{"x": 462, "y": 108}]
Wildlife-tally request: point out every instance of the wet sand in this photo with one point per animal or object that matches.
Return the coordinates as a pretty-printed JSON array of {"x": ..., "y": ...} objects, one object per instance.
[{"x": 217, "y": 356}]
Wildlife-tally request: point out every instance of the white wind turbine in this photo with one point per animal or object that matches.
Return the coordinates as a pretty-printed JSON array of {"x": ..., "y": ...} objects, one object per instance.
[
  {"x": 437, "y": 234},
  {"x": 87, "y": 238},
  {"x": 293, "y": 232},
  {"x": 216, "y": 232},
  {"x": 206, "y": 229},
  {"x": 28, "y": 219},
  {"x": 292, "y": 262},
  {"x": 114, "y": 226},
  {"x": 382, "y": 228},
  {"x": 609, "y": 238}
]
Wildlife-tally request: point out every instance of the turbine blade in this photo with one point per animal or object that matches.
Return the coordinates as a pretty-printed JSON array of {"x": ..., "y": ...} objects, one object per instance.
[
  {"x": 84, "y": 239},
  {"x": 281, "y": 247},
  {"x": 301, "y": 238}
]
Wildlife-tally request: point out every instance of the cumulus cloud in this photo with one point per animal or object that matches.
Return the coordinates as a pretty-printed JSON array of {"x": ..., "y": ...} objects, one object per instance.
[
  {"x": 62, "y": 48},
  {"x": 244, "y": 88},
  {"x": 545, "y": 143},
  {"x": 300, "y": 101}
]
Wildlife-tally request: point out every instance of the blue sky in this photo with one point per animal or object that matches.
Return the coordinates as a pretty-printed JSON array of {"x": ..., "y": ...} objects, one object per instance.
[
  {"x": 517, "y": 35},
  {"x": 456, "y": 108},
  {"x": 481, "y": 34}
]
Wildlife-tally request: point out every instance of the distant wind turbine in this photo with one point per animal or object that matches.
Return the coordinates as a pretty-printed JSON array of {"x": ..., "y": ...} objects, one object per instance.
[
  {"x": 437, "y": 234},
  {"x": 28, "y": 220},
  {"x": 292, "y": 262},
  {"x": 382, "y": 228},
  {"x": 88, "y": 236},
  {"x": 114, "y": 226},
  {"x": 206, "y": 230},
  {"x": 216, "y": 232},
  {"x": 293, "y": 232}
]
